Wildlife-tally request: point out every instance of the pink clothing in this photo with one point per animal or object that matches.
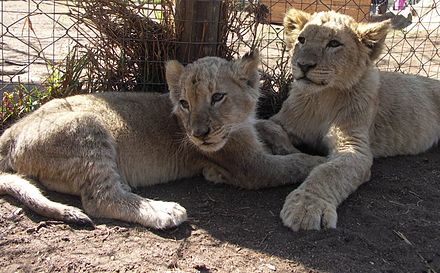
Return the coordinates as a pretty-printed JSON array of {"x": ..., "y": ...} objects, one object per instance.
[{"x": 399, "y": 4}]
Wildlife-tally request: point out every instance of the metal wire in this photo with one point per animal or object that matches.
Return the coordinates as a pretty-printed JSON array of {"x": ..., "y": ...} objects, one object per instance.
[{"x": 39, "y": 34}]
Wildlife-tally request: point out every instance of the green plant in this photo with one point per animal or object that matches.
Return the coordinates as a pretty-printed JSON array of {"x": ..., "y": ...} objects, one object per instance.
[
  {"x": 64, "y": 79},
  {"x": 20, "y": 101}
]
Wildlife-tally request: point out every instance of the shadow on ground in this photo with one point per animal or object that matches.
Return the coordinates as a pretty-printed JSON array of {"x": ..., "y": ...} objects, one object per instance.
[{"x": 391, "y": 224}]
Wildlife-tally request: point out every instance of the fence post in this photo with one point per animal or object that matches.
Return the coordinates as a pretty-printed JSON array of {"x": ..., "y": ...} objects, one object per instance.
[{"x": 198, "y": 27}]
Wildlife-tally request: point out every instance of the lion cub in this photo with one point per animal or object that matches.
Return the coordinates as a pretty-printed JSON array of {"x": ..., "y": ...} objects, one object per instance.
[
  {"x": 341, "y": 104},
  {"x": 98, "y": 146}
]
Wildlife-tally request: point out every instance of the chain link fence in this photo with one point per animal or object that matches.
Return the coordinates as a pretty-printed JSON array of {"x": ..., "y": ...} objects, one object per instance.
[{"x": 53, "y": 48}]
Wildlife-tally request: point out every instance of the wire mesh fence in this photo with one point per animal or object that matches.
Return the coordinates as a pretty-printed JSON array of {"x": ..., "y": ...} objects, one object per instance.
[{"x": 53, "y": 48}]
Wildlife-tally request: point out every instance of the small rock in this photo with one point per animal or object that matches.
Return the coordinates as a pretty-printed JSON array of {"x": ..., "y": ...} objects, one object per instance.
[{"x": 271, "y": 267}]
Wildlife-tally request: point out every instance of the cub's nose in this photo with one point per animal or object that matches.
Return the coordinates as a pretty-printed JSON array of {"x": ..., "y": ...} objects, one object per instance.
[
  {"x": 305, "y": 66},
  {"x": 201, "y": 132}
]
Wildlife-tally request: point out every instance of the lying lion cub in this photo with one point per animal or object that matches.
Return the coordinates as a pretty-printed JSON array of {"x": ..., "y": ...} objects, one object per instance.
[
  {"x": 98, "y": 146},
  {"x": 341, "y": 104}
]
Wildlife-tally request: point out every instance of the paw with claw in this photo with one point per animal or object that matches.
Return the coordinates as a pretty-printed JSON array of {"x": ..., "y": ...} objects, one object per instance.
[
  {"x": 216, "y": 174},
  {"x": 305, "y": 210},
  {"x": 161, "y": 215}
]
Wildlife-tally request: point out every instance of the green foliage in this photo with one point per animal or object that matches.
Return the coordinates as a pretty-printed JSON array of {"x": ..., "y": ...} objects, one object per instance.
[
  {"x": 20, "y": 101},
  {"x": 66, "y": 79},
  {"x": 63, "y": 80}
]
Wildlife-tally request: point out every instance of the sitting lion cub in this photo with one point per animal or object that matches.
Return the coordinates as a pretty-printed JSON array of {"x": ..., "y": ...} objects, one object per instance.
[
  {"x": 98, "y": 146},
  {"x": 341, "y": 104}
]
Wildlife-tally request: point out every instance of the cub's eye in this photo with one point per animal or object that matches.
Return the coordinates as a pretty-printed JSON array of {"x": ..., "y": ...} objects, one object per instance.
[
  {"x": 333, "y": 43},
  {"x": 184, "y": 104},
  {"x": 301, "y": 39},
  {"x": 216, "y": 97}
]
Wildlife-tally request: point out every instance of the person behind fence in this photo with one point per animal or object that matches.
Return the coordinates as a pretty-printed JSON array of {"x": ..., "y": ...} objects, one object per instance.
[
  {"x": 399, "y": 5},
  {"x": 378, "y": 7}
]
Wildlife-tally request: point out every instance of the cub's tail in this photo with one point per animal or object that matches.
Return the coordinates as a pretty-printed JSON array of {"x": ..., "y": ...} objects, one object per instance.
[{"x": 23, "y": 190}]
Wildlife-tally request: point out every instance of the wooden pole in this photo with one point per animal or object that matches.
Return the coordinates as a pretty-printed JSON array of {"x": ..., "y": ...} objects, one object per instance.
[{"x": 198, "y": 26}]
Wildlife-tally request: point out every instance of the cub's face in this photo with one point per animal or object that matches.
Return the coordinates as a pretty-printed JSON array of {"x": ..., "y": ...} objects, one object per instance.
[
  {"x": 213, "y": 97},
  {"x": 330, "y": 50}
]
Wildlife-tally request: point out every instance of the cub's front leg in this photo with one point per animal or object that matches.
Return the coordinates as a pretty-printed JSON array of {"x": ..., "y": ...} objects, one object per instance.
[
  {"x": 245, "y": 163},
  {"x": 275, "y": 138},
  {"x": 313, "y": 204}
]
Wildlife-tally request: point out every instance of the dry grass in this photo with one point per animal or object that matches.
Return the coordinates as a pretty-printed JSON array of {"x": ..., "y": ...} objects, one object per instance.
[
  {"x": 124, "y": 45},
  {"x": 125, "y": 48}
]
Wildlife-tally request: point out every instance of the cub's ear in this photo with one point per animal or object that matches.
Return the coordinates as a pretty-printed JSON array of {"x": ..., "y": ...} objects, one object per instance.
[
  {"x": 373, "y": 36},
  {"x": 247, "y": 69},
  {"x": 294, "y": 21},
  {"x": 173, "y": 71}
]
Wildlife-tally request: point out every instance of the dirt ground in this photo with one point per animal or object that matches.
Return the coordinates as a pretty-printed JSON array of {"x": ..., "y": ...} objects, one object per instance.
[{"x": 391, "y": 224}]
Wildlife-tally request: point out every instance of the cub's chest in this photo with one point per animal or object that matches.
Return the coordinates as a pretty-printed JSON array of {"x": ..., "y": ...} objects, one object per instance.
[{"x": 308, "y": 120}]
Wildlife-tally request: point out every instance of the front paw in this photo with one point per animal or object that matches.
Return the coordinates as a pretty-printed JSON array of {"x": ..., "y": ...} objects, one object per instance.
[
  {"x": 162, "y": 215},
  {"x": 304, "y": 210},
  {"x": 282, "y": 148},
  {"x": 275, "y": 138},
  {"x": 216, "y": 174}
]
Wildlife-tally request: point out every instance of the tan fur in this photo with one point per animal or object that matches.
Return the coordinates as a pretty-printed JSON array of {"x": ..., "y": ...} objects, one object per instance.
[
  {"x": 348, "y": 109},
  {"x": 98, "y": 146}
]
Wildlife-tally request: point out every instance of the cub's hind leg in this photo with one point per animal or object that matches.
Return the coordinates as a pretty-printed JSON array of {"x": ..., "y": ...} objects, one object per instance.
[
  {"x": 105, "y": 193},
  {"x": 105, "y": 196},
  {"x": 14, "y": 152},
  {"x": 103, "y": 190},
  {"x": 75, "y": 153},
  {"x": 23, "y": 190}
]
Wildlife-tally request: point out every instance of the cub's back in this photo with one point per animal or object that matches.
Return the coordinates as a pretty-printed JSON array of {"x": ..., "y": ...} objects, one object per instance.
[
  {"x": 147, "y": 134},
  {"x": 120, "y": 112},
  {"x": 408, "y": 118}
]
